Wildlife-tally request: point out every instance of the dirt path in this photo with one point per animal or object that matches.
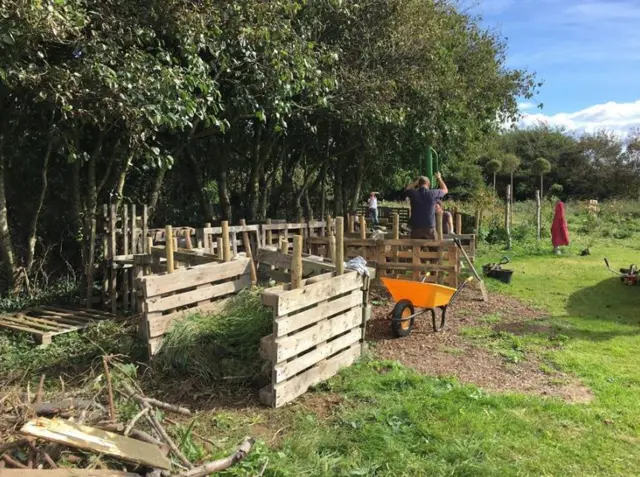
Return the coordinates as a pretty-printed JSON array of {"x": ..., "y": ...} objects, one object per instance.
[{"x": 448, "y": 353}]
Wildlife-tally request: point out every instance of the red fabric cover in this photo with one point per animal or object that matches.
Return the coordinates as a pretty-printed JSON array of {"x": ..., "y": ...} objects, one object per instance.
[{"x": 559, "y": 230}]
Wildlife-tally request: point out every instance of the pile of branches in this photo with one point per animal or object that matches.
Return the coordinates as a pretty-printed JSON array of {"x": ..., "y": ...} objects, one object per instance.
[{"x": 22, "y": 449}]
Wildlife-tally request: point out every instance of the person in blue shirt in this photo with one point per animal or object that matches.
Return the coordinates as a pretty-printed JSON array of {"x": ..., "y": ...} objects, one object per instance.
[{"x": 423, "y": 206}]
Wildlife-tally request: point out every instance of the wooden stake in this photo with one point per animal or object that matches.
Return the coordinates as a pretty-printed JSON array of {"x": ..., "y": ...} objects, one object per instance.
[
  {"x": 125, "y": 251},
  {"x": 296, "y": 262},
  {"x": 105, "y": 254},
  {"x": 477, "y": 228},
  {"x": 247, "y": 249},
  {"x": 226, "y": 250},
  {"x": 107, "y": 376},
  {"x": 134, "y": 228},
  {"x": 284, "y": 245},
  {"x": 396, "y": 226},
  {"x": 329, "y": 230},
  {"x": 363, "y": 228},
  {"x": 208, "y": 242},
  {"x": 269, "y": 235},
  {"x": 339, "y": 254},
  {"x": 169, "y": 247},
  {"x": 332, "y": 248},
  {"x": 149, "y": 241},
  {"x": 113, "y": 292},
  {"x": 145, "y": 229},
  {"x": 220, "y": 247},
  {"x": 90, "y": 262},
  {"x": 507, "y": 216},
  {"x": 538, "y": 215},
  {"x": 351, "y": 222},
  {"x": 439, "y": 235},
  {"x": 458, "y": 224}
]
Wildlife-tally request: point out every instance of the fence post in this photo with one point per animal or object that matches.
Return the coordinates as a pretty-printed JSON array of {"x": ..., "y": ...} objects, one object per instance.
[
  {"x": 332, "y": 248},
  {"x": 439, "y": 235},
  {"x": 329, "y": 231},
  {"x": 507, "y": 216},
  {"x": 284, "y": 245},
  {"x": 538, "y": 215},
  {"x": 145, "y": 229},
  {"x": 458, "y": 223},
  {"x": 396, "y": 226},
  {"x": 363, "y": 228},
  {"x": 339, "y": 254},
  {"x": 220, "y": 248},
  {"x": 226, "y": 251},
  {"x": 268, "y": 236},
  {"x": 113, "y": 292},
  {"x": 296, "y": 262},
  {"x": 247, "y": 249},
  {"x": 168, "y": 233}
]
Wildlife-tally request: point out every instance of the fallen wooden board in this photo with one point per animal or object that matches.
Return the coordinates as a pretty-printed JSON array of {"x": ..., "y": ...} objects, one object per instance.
[
  {"x": 64, "y": 473},
  {"x": 97, "y": 440}
]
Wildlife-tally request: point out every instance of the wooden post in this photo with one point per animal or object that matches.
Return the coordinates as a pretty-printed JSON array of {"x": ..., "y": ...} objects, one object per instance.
[
  {"x": 105, "y": 254},
  {"x": 226, "y": 251},
  {"x": 113, "y": 292},
  {"x": 168, "y": 231},
  {"x": 396, "y": 225},
  {"x": 134, "y": 235},
  {"x": 220, "y": 247},
  {"x": 477, "y": 228},
  {"x": 363, "y": 228},
  {"x": 284, "y": 245},
  {"x": 538, "y": 215},
  {"x": 125, "y": 251},
  {"x": 329, "y": 229},
  {"x": 138, "y": 273},
  {"x": 351, "y": 222},
  {"x": 332, "y": 248},
  {"x": 207, "y": 241},
  {"x": 339, "y": 254},
  {"x": 296, "y": 262},
  {"x": 187, "y": 239},
  {"x": 507, "y": 216},
  {"x": 90, "y": 262},
  {"x": 458, "y": 223},
  {"x": 247, "y": 249},
  {"x": 268, "y": 235},
  {"x": 149, "y": 241},
  {"x": 145, "y": 229},
  {"x": 439, "y": 235}
]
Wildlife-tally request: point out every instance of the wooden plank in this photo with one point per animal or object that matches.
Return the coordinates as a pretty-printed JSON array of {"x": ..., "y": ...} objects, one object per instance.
[
  {"x": 97, "y": 440},
  {"x": 51, "y": 324},
  {"x": 289, "y": 390},
  {"x": 65, "y": 473},
  {"x": 426, "y": 267},
  {"x": 289, "y": 369},
  {"x": 207, "y": 292},
  {"x": 290, "y": 323},
  {"x": 160, "y": 324},
  {"x": 289, "y": 346},
  {"x": 192, "y": 257},
  {"x": 87, "y": 315},
  {"x": 292, "y": 300},
  {"x": 277, "y": 259},
  {"x": 162, "y": 284}
]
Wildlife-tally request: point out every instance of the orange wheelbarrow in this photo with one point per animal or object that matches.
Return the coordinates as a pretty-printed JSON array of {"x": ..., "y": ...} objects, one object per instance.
[{"x": 427, "y": 297}]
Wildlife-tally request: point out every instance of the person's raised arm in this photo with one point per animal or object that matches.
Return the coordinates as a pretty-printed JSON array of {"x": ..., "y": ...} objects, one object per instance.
[{"x": 441, "y": 183}]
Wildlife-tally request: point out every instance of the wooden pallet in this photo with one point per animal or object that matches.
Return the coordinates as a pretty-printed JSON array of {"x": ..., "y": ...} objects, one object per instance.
[{"x": 45, "y": 322}]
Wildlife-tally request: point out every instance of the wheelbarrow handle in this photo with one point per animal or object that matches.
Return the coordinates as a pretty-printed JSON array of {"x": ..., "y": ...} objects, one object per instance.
[{"x": 459, "y": 289}]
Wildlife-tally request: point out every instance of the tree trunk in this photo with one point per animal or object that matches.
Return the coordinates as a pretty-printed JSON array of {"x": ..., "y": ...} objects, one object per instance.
[
  {"x": 33, "y": 223},
  {"x": 308, "y": 210},
  {"x": 494, "y": 182},
  {"x": 542, "y": 185},
  {"x": 206, "y": 206},
  {"x": 156, "y": 187},
  {"x": 513, "y": 193},
  {"x": 121, "y": 179},
  {"x": 358, "y": 184},
  {"x": 223, "y": 187},
  {"x": 6, "y": 244}
]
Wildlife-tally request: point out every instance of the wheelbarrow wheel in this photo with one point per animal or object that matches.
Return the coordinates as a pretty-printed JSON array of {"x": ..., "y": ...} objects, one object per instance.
[{"x": 403, "y": 309}]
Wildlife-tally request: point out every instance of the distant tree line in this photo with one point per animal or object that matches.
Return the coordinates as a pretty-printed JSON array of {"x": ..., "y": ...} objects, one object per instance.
[{"x": 600, "y": 165}]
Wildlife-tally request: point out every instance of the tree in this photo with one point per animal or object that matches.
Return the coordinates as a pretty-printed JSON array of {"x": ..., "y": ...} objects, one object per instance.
[
  {"x": 493, "y": 167},
  {"x": 510, "y": 164},
  {"x": 541, "y": 167}
]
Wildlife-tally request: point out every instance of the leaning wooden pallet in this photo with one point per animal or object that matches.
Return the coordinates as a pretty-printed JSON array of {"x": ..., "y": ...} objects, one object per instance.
[{"x": 44, "y": 323}]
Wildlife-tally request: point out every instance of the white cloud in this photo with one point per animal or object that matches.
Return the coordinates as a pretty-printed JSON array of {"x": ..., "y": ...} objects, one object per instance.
[
  {"x": 617, "y": 117},
  {"x": 524, "y": 106}
]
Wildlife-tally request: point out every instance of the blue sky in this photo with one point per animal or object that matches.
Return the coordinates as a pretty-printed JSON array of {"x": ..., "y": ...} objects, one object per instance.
[{"x": 587, "y": 52}]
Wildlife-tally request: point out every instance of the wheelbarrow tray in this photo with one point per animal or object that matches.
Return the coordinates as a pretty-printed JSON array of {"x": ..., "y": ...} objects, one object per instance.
[{"x": 421, "y": 294}]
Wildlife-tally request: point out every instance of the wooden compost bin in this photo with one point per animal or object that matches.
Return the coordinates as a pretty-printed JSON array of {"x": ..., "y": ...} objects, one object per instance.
[
  {"x": 169, "y": 297},
  {"x": 318, "y": 329}
]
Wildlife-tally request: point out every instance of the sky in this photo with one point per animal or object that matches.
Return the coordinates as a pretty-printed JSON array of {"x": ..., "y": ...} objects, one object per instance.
[{"x": 587, "y": 53}]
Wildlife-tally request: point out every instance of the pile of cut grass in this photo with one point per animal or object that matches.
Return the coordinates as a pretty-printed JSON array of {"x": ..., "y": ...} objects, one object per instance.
[{"x": 210, "y": 347}]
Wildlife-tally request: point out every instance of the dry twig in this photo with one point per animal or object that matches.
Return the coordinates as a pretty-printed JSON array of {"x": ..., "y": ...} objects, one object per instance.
[
  {"x": 134, "y": 420},
  {"x": 221, "y": 464},
  {"x": 107, "y": 375}
]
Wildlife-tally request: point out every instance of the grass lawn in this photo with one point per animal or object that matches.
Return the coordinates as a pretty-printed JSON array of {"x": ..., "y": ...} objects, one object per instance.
[{"x": 388, "y": 420}]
